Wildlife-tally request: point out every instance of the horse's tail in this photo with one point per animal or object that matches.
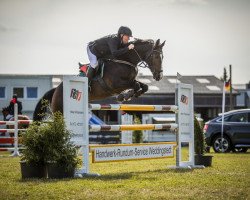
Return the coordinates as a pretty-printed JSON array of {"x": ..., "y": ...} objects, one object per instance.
[{"x": 40, "y": 109}]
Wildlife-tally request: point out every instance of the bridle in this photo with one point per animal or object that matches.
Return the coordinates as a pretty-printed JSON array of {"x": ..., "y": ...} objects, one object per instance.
[{"x": 144, "y": 63}]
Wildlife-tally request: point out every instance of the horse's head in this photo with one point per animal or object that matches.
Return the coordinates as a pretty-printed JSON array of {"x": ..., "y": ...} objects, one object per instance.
[
  {"x": 150, "y": 55},
  {"x": 154, "y": 61}
]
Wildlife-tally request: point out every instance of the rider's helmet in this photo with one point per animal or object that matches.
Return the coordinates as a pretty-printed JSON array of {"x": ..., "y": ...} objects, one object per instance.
[
  {"x": 125, "y": 30},
  {"x": 14, "y": 96}
]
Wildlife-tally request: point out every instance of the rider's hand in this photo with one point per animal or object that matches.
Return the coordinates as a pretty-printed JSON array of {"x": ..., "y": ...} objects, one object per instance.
[{"x": 131, "y": 46}]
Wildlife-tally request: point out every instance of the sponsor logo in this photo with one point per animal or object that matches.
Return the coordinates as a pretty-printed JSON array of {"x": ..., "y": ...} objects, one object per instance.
[
  {"x": 75, "y": 94},
  {"x": 184, "y": 99}
]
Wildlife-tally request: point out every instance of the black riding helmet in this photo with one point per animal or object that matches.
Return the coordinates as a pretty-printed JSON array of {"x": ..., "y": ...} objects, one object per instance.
[
  {"x": 125, "y": 30},
  {"x": 14, "y": 96}
]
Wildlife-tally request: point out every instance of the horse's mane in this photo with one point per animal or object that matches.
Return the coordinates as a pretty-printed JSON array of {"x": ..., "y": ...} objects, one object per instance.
[{"x": 141, "y": 42}]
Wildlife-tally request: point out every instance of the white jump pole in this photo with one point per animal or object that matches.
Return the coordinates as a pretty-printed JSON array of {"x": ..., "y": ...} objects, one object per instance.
[{"x": 16, "y": 152}]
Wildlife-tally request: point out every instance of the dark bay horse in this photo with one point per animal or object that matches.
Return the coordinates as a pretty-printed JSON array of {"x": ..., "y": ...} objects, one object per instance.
[{"x": 119, "y": 75}]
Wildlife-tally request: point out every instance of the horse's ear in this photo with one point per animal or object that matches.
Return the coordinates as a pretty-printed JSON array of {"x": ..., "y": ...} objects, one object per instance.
[
  {"x": 162, "y": 44},
  {"x": 157, "y": 43}
]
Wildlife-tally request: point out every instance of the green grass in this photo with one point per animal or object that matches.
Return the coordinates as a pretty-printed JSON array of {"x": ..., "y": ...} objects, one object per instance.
[{"x": 228, "y": 178}]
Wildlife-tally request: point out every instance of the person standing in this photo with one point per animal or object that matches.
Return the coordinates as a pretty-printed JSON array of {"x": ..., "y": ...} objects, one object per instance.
[{"x": 11, "y": 107}]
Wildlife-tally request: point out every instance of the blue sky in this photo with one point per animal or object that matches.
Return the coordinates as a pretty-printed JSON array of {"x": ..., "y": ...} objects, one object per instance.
[{"x": 50, "y": 36}]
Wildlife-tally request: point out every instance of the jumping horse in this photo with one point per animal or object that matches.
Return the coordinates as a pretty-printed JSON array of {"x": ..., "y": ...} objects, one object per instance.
[{"x": 118, "y": 77}]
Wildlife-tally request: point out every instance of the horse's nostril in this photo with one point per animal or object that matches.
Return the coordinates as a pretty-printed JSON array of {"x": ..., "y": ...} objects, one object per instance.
[{"x": 156, "y": 77}]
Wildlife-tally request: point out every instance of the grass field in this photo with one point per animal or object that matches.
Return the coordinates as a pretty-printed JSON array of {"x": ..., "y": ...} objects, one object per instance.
[{"x": 228, "y": 178}]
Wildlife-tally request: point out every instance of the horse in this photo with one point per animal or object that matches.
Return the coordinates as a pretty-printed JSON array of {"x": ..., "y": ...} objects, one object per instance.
[
  {"x": 5, "y": 112},
  {"x": 118, "y": 75}
]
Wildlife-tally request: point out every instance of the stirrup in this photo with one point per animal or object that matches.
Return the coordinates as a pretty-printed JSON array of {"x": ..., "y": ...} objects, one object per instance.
[
  {"x": 89, "y": 89},
  {"x": 89, "y": 86}
]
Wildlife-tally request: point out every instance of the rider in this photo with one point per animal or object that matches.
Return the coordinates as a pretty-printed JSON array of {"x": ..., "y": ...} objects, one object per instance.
[
  {"x": 11, "y": 107},
  {"x": 114, "y": 45}
]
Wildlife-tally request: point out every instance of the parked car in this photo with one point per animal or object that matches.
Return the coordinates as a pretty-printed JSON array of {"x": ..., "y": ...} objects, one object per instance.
[{"x": 236, "y": 131}]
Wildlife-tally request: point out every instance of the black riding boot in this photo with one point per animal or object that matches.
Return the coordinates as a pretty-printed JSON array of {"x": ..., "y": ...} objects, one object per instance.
[{"x": 90, "y": 74}]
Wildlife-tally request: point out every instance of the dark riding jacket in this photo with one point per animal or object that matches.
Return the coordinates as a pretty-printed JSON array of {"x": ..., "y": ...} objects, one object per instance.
[
  {"x": 109, "y": 45},
  {"x": 11, "y": 106}
]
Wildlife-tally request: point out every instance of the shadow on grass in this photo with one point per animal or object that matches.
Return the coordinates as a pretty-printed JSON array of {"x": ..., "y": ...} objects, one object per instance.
[
  {"x": 228, "y": 153},
  {"x": 44, "y": 180},
  {"x": 128, "y": 175},
  {"x": 110, "y": 177}
]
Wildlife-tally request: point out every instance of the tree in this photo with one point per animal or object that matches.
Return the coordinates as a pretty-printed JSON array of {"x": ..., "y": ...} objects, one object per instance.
[
  {"x": 225, "y": 76},
  {"x": 137, "y": 134}
]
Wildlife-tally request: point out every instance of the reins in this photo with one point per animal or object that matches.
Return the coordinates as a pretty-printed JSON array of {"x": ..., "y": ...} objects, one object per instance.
[{"x": 122, "y": 62}]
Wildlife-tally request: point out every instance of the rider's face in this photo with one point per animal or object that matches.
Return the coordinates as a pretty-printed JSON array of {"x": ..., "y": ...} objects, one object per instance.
[{"x": 125, "y": 39}]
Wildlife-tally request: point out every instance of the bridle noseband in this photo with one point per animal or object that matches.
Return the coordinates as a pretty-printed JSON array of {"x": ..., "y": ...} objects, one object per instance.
[{"x": 144, "y": 64}]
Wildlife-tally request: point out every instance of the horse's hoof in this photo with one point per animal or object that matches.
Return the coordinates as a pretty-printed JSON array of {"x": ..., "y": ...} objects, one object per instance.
[
  {"x": 127, "y": 98},
  {"x": 129, "y": 95},
  {"x": 120, "y": 98}
]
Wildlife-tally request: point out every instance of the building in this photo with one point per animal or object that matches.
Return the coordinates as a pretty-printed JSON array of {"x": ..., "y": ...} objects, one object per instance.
[
  {"x": 207, "y": 93},
  {"x": 243, "y": 97},
  {"x": 29, "y": 88},
  {"x": 207, "y": 96}
]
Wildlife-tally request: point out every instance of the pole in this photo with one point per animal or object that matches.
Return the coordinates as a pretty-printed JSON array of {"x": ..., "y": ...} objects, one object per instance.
[
  {"x": 16, "y": 152},
  {"x": 222, "y": 121},
  {"x": 178, "y": 153},
  {"x": 231, "y": 95}
]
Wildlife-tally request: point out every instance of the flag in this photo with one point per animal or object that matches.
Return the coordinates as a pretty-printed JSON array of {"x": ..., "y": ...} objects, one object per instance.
[
  {"x": 228, "y": 85},
  {"x": 179, "y": 76}
]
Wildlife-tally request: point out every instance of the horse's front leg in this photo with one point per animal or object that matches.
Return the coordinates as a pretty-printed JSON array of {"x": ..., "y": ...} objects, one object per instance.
[
  {"x": 136, "y": 87},
  {"x": 142, "y": 90},
  {"x": 128, "y": 94}
]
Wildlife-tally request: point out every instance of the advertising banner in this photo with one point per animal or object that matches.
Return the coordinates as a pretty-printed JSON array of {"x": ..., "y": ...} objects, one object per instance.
[
  {"x": 75, "y": 108},
  {"x": 110, "y": 153}
]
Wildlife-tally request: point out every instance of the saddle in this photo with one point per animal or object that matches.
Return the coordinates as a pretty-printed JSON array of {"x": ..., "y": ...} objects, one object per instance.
[
  {"x": 98, "y": 75},
  {"x": 98, "y": 70}
]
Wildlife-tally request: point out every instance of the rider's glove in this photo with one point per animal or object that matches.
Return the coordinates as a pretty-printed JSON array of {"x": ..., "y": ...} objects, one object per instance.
[{"x": 131, "y": 46}]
